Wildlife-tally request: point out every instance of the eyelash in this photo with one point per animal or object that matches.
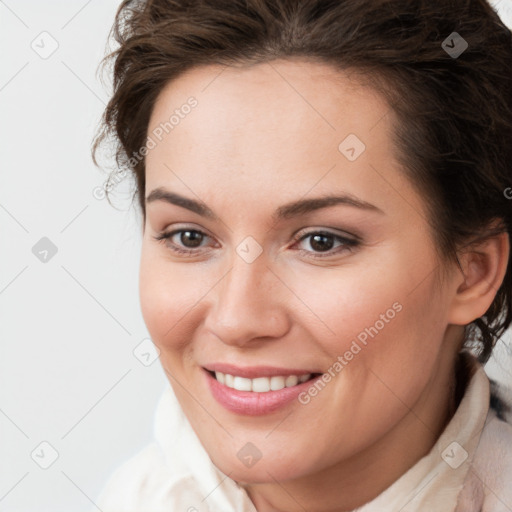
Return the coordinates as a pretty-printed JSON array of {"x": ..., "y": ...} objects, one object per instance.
[{"x": 349, "y": 244}]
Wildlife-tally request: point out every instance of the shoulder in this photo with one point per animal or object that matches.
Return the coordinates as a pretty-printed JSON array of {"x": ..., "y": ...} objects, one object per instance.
[
  {"x": 146, "y": 483},
  {"x": 492, "y": 465},
  {"x": 130, "y": 481},
  {"x": 488, "y": 483}
]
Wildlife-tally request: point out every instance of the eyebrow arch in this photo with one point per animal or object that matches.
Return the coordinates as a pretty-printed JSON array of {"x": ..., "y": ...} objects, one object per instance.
[
  {"x": 303, "y": 206},
  {"x": 161, "y": 194},
  {"x": 295, "y": 208}
]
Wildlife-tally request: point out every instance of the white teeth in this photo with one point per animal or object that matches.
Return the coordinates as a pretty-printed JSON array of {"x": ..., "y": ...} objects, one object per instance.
[
  {"x": 291, "y": 380},
  {"x": 276, "y": 383},
  {"x": 228, "y": 380},
  {"x": 242, "y": 384},
  {"x": 260, "y": 384}
]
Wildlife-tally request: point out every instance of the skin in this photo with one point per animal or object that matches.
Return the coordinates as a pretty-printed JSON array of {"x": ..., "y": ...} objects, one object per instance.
[{"x": 260, "y": 137}]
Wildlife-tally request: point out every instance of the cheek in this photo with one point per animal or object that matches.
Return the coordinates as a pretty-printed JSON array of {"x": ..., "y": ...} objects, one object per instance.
[
  {"x": 385, "y": 316},
  {"x": 344, "y": 302},
  {"x": 167, "y": 298}
]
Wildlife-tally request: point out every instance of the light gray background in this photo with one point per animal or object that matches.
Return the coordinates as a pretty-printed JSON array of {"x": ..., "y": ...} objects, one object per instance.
[{"x": 70, "y": 325}]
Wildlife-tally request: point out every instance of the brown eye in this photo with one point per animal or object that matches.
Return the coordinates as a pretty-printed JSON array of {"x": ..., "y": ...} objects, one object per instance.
[
  {"x": 321, "y": 242},
  {"x": 191, "y": 239},
  {"x": 183, "y": 241},
  {"x": 317, "y": 242}
]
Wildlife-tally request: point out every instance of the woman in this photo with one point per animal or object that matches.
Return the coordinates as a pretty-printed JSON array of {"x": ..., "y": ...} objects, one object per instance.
[{"x": 326, "y": 251}]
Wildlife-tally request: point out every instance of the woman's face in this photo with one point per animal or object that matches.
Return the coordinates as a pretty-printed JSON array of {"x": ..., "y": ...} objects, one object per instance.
[{"x": 275, "y": 280}]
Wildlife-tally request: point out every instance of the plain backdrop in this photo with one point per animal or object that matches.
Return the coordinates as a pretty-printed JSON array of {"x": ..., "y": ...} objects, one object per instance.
[{"x": 77, "y": 390}]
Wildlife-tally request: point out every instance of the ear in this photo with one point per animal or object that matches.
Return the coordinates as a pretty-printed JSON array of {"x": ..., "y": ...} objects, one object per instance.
[{"x": 484, "y": 265}]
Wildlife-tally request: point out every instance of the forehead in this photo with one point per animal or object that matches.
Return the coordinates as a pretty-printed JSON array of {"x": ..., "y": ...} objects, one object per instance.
[
  {"x": 289, "y": 124},
  {"x": 289, "y": 97}
]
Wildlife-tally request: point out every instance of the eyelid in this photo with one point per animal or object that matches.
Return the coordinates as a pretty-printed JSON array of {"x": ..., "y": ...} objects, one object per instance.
[
  {"x": 187, "y": 226},
  {"x": 348, "y": 243},
  {"x": 301, "y": 233},
  {"x": 165, "y": 235}
]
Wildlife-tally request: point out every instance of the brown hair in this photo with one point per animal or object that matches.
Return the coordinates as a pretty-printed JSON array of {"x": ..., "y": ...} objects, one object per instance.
[{"x": 453, "y": 129}]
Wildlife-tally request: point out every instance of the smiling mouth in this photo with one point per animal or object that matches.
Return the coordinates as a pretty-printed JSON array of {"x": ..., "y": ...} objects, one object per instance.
[{"x": 261, "y": 384}]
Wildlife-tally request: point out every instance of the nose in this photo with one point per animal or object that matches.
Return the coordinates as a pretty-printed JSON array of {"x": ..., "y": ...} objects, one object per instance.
[{"x": 248, "y": 304}]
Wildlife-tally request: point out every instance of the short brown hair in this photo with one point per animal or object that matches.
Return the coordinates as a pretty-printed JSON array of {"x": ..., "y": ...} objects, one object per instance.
[{"x": 454, "y": 129}]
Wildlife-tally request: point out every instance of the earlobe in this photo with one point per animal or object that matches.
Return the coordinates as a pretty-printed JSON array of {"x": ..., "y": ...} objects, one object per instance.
[{"x": 484, "y": 266}]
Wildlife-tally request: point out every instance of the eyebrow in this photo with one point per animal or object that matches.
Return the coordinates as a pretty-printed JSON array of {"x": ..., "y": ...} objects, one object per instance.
[{"x": 295, "y": 208}]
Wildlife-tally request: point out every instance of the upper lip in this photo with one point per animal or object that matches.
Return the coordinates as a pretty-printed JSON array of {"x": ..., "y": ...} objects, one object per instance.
[{"x": 251, "y": 372}]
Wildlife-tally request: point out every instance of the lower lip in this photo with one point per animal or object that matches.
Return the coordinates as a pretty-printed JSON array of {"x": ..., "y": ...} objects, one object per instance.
[{"x": 251, "y": 403}]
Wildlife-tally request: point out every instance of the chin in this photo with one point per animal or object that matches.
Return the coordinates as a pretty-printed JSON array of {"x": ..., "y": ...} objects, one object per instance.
[{"x": 263, "y": 471}]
